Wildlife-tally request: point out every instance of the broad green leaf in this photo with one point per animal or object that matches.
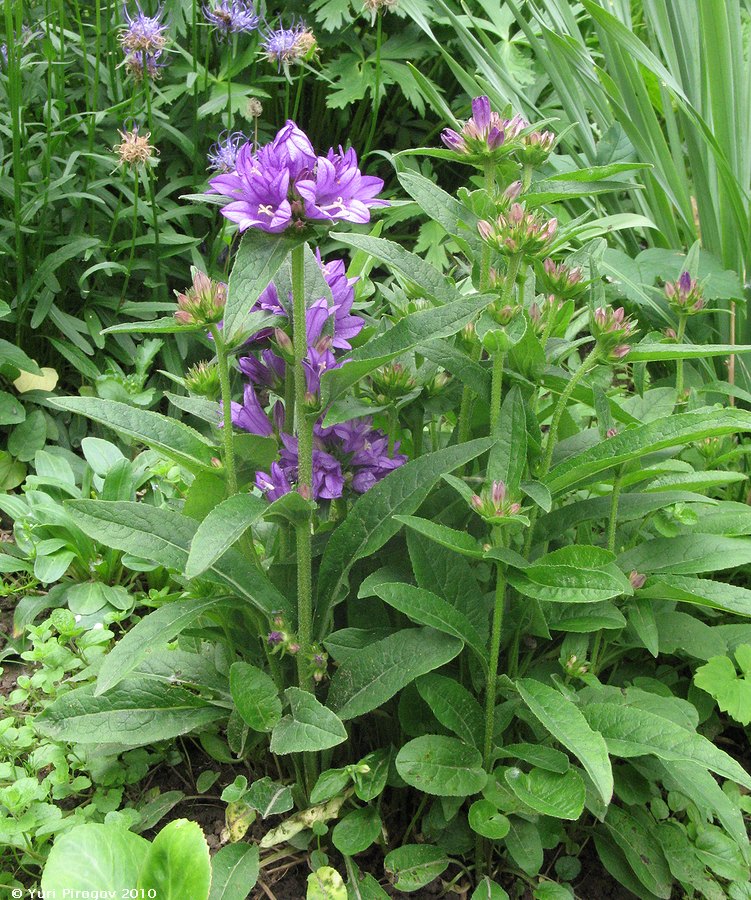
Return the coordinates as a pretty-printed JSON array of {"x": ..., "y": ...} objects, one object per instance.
[
  {"x": 153, "y": 631},
  {"x": 454, "y": 706},
  {"x": 687, "y": 554},
  {"x": 255, "y": 696},
  {"x": 371, "y": 523},
  {"x": 310, "y": 727},
  {"x": 94, "y": 858},
  {"x": 11, "y": 411},
  {"x": 412, "y": 866},
  {"x": 485, "y": 819},
  {"x": 537, "y": 755},
  {"x": 719, "y": 678},
  {"x": 426, "y": 608},
  {"x": 489, "y": 890},
  {"x": 136, "y": 712},
  {"x": 165, "y": 325},
  {"x": 164, "y": 536},
  {"x": 357, "y": 831},
  {"x": 369, "y": 678},
  {"x": 362, "y": 887},
  {"x": 565, "y": 722},
  {"x": 524, "y": 845},
  {"x": 177, "y": 864},
  {"x": 224, "y": 525},
  {"x": 169, "y": 436},
  {"x": 325, "y": 884},
  {"x": 719, "y": 852},
  {"x": 440, "y": 206},
  {"x": 269, "y": 797},
  {"x": 635, "y": 732},
  {"x": 642, "y": 850},
  {"x": 234, "y": 872},
  {"x": 508, "y": 459},
  {"x": 11, "y": 355},
  {"x": 443, "y": 766},
  {"x": 574, "y": 574},
  {"x": 641, "y": 617},
  {"x": 258, "y": 260},
  {"x": 634, "y": 443},
  {"x": 549, "y": 793}
]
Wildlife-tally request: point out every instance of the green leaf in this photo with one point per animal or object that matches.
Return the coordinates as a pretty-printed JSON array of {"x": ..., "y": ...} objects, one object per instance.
[
  {"x": 635, "y": 732},
  {"x": 136, "y": 712},
  {"x": 537, "y": 755},
  {"x": 719, "y": 852},
  {"x": 325, "y": 884},
  {"x": 357, "y": 831},
  {"x": 310, "y": 727},
  {"x": 11, "y": 411},
  {"x": 409, "y": 332},
  {"x": 650, "y": 352},
  {"x": 485, "y": 819},
  {"x": 94, "y": 858},
  {"x": 454, "y": 706},
  {"x": 508, "y": 459},
  {"x": 172, "y": 438},
  {"x": 371, "y": 523},
  {"x": 224, "y": 525},
  {"x": 234, "y": 872},
  {"x": 635, "y": 442},
  {"x": 451, "y": 538},
  {"x": 426, "y": 608},
  {"x": 255, "y": 696},
  {"x": 443, "y": 766},
  {"x": 164, "y": 536},
  {"x": 177, "y": 864},
  {"x": 153, "y": 631},
  {"x": 549, "y": 793},
  {"x": 718, "y": 677},
  {"x": 444, "y": 208},
  {"x": 434, "y": 284},
  {"x": 28, "y": 436},
  {"x": 258, "y": 260},
  {"x": 642, "y": 851},
  {"x": 524, "y": 845},
  {"x": 412, "y": 866},
  {"x": 269, "y": 797},
  {"x": 574, "y": 574},
  {"x": 11, "y": 355},
  {"x": 369, "y": 678},
  {"x": 489, "y": 890},
  {"x": 687, "y": 554},
  {"x": 565, "y": 722}
]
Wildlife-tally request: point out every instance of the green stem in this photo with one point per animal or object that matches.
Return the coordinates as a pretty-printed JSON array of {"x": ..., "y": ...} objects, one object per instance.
[
  {"x": 495, "y": 652},
  {"x": 496, "y": 391},
  {"x": 679, "y": 363},
  {"x": 152, "y": 191},
  {"x": 226, "y": 391},
  {"x": 376, "y": 90},
  {"x": 587, "y": 365},
  {"x": 305, "y": 472},
  {"x": 133, "y": 237},
  {"x": 613, "y": 520}
]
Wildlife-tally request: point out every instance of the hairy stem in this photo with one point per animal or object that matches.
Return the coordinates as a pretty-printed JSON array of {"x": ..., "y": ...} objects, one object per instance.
[
  {"x": 222, "y": 359},
  {"x": 679, "y": 362}
]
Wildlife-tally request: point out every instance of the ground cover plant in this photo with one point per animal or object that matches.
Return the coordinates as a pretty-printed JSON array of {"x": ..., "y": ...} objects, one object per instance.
[{"x": 412, "y": 532}]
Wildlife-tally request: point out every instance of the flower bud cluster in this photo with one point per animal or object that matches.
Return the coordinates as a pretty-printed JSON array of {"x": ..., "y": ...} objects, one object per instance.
[
  {"x": 203, "y": 302},
  {"x": 685, "y": 295},
  {"x": 541, "y": 312},
  {"x": 562, "y": 280},
  {"x": 612, "y": 330},
  {"x": 575, "y": 667},
  {"x": 495, "y": 503},
  {"x": 391, "y": 382},
  {"x": 281, "y": 639},
  {"x": 518, "y": 231},
  {"x": 203, "y": 379},
  {"x": 535, "y": 147},
  {"x": 486, "y": 133}
]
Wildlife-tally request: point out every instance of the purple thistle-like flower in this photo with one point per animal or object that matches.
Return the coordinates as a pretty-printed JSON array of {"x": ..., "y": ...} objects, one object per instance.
[
  {"x": 339, "y": 192},
  {"x": 288, "y": 45},
  {"x": 275, "y": 484},
  {"x": 231, "y": 16},
  {"x": 143, "y": 32},
  {"x": 485, "y": 132},
  {"x": 222, "y": 156},
  {"x": 140, "y": 63}
]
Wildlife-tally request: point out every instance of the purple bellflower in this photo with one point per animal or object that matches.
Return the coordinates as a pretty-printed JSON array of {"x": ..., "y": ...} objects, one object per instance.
[{"x": 284, "y": 184}]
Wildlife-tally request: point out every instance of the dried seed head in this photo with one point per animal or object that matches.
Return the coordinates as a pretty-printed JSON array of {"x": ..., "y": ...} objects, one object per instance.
[{"x": 134, "y": 150}]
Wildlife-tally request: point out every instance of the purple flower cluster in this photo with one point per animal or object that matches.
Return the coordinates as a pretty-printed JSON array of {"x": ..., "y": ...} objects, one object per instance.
[
  {"x": 350, "y": 454},
  {"x": 231, "y": 16},
  {"x": 222, "y": 156},
  {"x": 288, "y": 45},
  {"x": 485, "y": 132},
  {"x": 143, "y": 40},
  {"x": 284, "y": 183}
]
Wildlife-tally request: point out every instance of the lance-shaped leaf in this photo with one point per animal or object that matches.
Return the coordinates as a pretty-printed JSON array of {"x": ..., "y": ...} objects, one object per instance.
[
  {"x": 175, "y": 440},
  {"x": 371, "y": 522},
  {"x": 224, "y": 525}
]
